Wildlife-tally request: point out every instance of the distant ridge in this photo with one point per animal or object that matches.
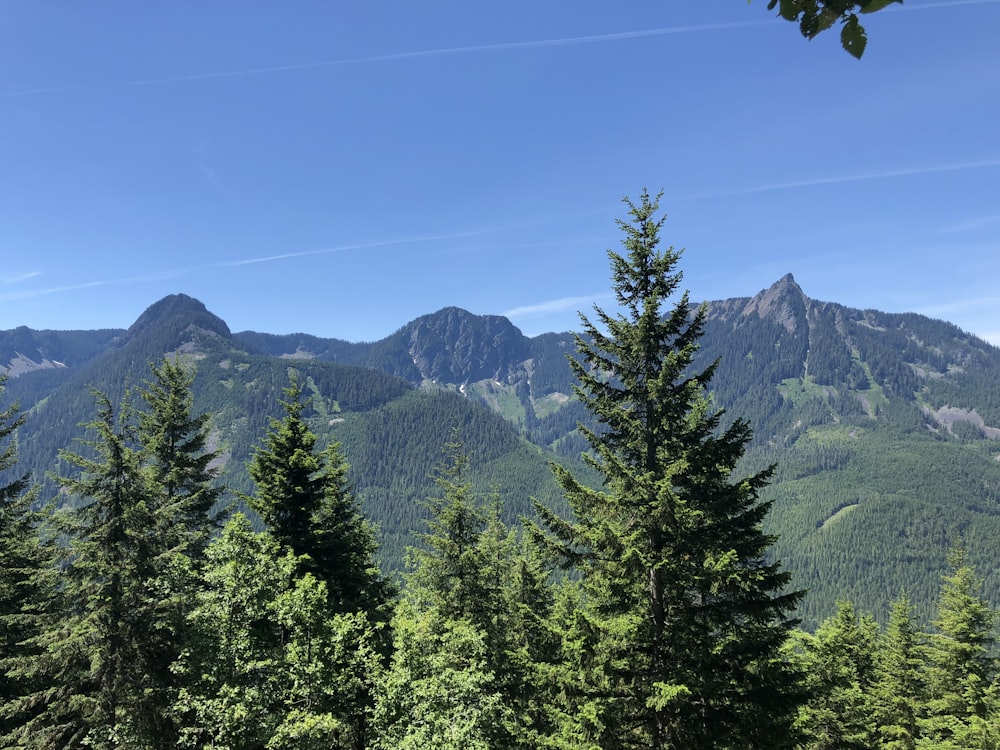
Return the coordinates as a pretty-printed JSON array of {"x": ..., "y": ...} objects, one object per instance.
[{"x": 884, "y": 427}]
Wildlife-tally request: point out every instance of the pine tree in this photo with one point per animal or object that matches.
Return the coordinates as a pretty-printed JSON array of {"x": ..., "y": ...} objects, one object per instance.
[
  {"x": 182, "y": 493},
  {"x": 86, "y": 667},
  {"x": 305, "y": 499},
  {"x": 449, "y": 568},
  {"x": 470, "y": 630},
  {"x": 691, "y": 615},
  {"x": 839, "y": 664},
  {"x": 175, "y": 448},
  {"x": 898, "y": 689},
  {"x": 960, "y": 665},
  {"x": 25, "y": 578}
]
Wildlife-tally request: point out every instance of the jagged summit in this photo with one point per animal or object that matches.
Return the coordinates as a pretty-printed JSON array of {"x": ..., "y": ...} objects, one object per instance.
[{"x": 783, "y": 302}]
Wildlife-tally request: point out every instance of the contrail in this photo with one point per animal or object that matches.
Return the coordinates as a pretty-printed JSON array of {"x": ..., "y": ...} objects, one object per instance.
[
  {"x": 176, "y": 272},
  {"x": 888, "y": 174},
  {"x": 21, "y": 277},
  {"x": 33, "y": 293},
  {"x": 555, "y": 305},
  {"x": 360, "y": 246},
  {"x": 416, "y": 54}
]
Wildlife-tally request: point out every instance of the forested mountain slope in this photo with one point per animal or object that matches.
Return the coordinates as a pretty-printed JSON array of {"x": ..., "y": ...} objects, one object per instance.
[
  {"x": 885, "y": 427},
  {"x": 392, "y": 434}
]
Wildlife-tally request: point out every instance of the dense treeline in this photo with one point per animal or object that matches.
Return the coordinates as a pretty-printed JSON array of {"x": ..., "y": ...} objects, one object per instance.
[
  {"x": 158, "y": 637},
  {"x": 647, "y": 609}
]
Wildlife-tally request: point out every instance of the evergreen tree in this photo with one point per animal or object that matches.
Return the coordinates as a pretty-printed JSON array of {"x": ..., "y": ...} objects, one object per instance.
[
  {"x": 268, "y": 665},
  {"x": 691, "y": 615},
  {"x": 470, "y": 630},
  {"x": 960, "y": 664},
  {"x": 305, "y": 499},
  {"x": 898, "y": 689},
  {"x": 230, "y": 672},
  {"x": 86, "y": 668},
  {"x": 25, "y": 580},
  {"x": 449, "y": 569},
  {"x": 182, "y": 494},
  {"x": 175, "y": 447},
  {"x": 439, "y": 692},
  {"x": 839, "y": 664}
]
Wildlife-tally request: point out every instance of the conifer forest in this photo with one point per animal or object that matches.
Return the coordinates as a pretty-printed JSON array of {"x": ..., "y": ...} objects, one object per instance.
[{"x": 144, "y": 604}]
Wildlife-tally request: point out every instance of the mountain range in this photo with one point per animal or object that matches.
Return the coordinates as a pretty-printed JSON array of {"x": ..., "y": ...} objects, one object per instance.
[{"x": 885, "y": 428}]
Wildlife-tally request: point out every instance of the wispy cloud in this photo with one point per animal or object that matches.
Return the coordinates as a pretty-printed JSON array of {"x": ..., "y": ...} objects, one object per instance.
[
  {"x": 471, "y": 49},
  {"x": 177, "y": 272},
  {"x": 861, "y": 177},
  {"x": 555, "y": 306},
  {"x": 211, "y": 176},
  {"x": 20, "y": 277},
  {"x": 358, "y": 246},
  {"x": 426, "y": 53},
  {"x": 45, "y": 291},
  {"x": 970, "y": 225}
]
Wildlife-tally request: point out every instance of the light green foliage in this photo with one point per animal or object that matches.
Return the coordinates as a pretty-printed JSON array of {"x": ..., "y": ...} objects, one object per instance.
[
  {"x": 687, "y": 616},
  {"x": 839, "y": 664},
  {"x": 898, "y": 690},
  {"x": 439, "y": 692},
  {"x": 471, "y": 632},
  {"x": 269, "y": 664},
  {"x": 960, "y": 665},
  {"x": 230, "y": 672}
]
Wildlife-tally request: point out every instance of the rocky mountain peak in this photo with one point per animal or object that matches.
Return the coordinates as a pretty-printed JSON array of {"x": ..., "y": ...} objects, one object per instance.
[
  {"x": 783, "y": 302},
  {"x": 455, "y": 345},
  {"x": 177, "y": 311}
]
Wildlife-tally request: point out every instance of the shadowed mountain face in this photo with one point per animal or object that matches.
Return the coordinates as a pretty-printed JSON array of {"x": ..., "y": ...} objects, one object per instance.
[{"x": 885, "y": 428}]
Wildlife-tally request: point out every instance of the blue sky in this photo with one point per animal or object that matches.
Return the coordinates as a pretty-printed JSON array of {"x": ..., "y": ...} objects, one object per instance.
[{"x": 342, "y": 168}]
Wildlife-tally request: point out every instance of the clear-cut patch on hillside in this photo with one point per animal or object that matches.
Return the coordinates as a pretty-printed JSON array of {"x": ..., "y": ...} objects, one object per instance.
[
  {"x": 22, "y": 364},
  {"x": 947, "y": 416}
]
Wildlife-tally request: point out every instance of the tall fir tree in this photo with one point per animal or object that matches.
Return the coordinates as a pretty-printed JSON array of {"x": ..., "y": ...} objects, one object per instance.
[
  {"x": 839, "y": 663},
  {"x": 448, "y": 569},
  {"x": 960, "y": 663},
  {"x": 175, "y": 449},
  {"x": 182, "y": 495},
  {"x": 690, "y": 613},
  {"x": 470, "y": 631},
  {"x": 26, "y": 579},
  {"x": 86, "y": 670},
  {"x": 305, "y": 499},
  {"x": 898, "y": 690}
]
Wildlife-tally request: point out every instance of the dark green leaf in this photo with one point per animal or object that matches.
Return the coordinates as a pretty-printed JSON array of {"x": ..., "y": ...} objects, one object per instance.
[
  {"x": 853, "y": 37},
  {"x": 876, "y": 5}
]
